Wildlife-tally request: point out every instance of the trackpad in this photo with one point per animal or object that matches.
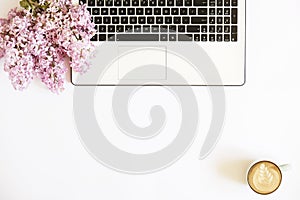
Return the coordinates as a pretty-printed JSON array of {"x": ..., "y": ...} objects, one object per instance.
[{"x": 135, "y": 63}]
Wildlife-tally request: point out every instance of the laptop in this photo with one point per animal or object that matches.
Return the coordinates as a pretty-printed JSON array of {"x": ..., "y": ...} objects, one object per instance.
[{"x": 145, "y": 42}]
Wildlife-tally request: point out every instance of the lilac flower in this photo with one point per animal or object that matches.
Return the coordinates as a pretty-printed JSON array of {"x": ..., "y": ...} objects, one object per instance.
[{"x": 35, "y": 42}]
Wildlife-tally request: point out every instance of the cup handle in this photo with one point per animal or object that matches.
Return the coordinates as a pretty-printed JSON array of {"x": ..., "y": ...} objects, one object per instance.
[{"x": 284, "y": 167}]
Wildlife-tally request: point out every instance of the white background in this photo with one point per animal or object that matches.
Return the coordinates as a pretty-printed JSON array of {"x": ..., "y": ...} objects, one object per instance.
[{"x": 41, "y": 156}]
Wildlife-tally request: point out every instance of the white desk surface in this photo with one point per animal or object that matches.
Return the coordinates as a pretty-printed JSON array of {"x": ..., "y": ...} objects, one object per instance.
[{"x": 41, "y": 156}]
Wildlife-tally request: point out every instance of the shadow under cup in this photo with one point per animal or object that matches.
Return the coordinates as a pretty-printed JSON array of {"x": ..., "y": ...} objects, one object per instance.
[{"x": 264, "y": 177}]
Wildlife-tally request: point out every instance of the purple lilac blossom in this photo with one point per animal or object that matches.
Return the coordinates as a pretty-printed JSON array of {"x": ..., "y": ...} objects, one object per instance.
[{"x": 36, "y": 45}]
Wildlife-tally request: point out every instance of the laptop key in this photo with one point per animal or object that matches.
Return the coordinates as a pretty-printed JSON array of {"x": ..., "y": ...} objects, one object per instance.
[
  {"x": 94, "y": 38},
  {"x": 130, "y": 11},
  {"x": 142, "y": 20},
  {"x": 234, "y": 37},
  {"x": 106, "y": 20},
  {"x": 187, "y": 2},
  {"x": 157, "y": 11},
  {"x": 212, "y": 37},
  {"x": 200, "y": 2},
  {"x": 163, "y": 37},
  {"x": 113, "y": 11},
  {"x": 102, "y": 28},
  {"x": 226, "y": 37},
  {"x": 185, "y": 20},
  {"x": 100, "y": 2},
  {"x": 115, "y": 20},
  {"x": 128, "y": 28},
  {"x": 146, "y": 28},
  {"x": 137, "y": 28},
  {"x": 172, "y": 28},
  {"x": 179, "y": 2},
  {"x": 98, "y": 20},
  {"x": 234, "y": 2},
  {"x": 234, "y": 15},
  {"x": 166, "y": 11},
  {"x": 104, "y": 11},
  {"x": 170, "y": 2},
  {"x": 202, "y": 11},
  {"x": 102, "y": 37},
  {"x": 163, "y": 29},
  {"x": 203, "y": 29},
  {"x": 82, "y": 2},
  {"x": 219, "y": 2},
  {"x": 192, "y": 11},
  {"x": 219, "y": 29},
  {"x": 181, "y": 28},
  {"x": 197, "y": 37},
  {"x": 148, "y": 11},
  {"x": 117, "y": 3},
  {"x": 111, "y": 37},
  {"x": 124, "y": 20},
  {"x": 109, "y": 2},
  {"x": 155, "y": 28},
  {"x": 150, "y": 20},
  {"x": 226, "y": 2},
  {"x": 185, "y": 37},
  {"x": 193, "y": 29},
  {"x": 140, "y": 11},
  {"x": 152, "y": 2},
  {"x": 204, "y": 37},
  {"x": 122, "y": 11},
  {"x": 168, "y": 20},
  {"x": 226, "y": 11},
  {"x": 120, "y": 28},
  {"x": 183, "y": 11},
  {"x": 172, "y": 37},
  {"x": 135, "y": 3},
  {"x": 137, "y": 37},
  {"x": 159, "y": 20},
  {"x": 219, "y": 38},
  {"x": 133, "y": 20},
  {"x": 233, "y": 29},
  {"x": 91, "y": 3},
  {"x": 144, "y": 2},
  {"x": 177, "y": 20},
  {"x": 95, "y": 11},
  {"x": 198, "y": 20},
  {"x": 161, "y": 2},
  {"x": 126, "y": 2},
  {"x": 111, "y": 28},
  {"x": 175, "y": 11},
  {"x": 212, "y": 2}
]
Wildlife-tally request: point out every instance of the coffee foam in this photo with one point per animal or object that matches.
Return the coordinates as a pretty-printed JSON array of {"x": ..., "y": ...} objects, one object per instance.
[{"x": 264, "y": 177}]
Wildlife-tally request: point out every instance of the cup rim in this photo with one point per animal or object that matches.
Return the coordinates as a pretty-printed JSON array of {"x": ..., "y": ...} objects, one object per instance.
[{"x": 256, "y": 163}]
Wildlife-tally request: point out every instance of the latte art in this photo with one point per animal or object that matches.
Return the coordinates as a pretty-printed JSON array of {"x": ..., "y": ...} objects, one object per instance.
[{"x": 264, "y": 177}]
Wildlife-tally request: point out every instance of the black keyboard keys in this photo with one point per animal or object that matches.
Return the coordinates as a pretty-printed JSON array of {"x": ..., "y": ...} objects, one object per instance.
[
  {"x": 193, "y": 29},
  {"x": 126, "y": 2},
  {"x": 200, "y": 2},
  {"x": 185, "y": 37},
  {"x": 234, "y": 13},
  {"x": 91, "y": 3},
  {"x": 161, "y": 2},
  {"x": 117, "y": 3},
  {"x": 170, "y": 2},
  {"x": 102, "y": 37},
  {"x": 199, "y": 20},
  {"x": 98, "y": 20}
]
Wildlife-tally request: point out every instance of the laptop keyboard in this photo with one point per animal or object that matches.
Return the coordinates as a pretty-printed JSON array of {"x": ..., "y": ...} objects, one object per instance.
[{"x": 164, "y": 20}]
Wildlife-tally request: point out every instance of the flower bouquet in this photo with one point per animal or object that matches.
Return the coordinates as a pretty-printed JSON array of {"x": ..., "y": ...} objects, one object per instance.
[{"x": 37, "y": 39}]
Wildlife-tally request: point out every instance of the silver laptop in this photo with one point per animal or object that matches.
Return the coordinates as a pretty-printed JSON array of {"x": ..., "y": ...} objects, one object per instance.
[{"x": 148, "y": 42}]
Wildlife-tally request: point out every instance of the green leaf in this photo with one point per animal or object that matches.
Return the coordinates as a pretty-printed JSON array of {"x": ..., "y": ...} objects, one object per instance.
[{"x": 24, "y": 4}]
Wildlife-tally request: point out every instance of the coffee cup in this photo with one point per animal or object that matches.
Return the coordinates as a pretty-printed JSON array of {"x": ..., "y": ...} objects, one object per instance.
[{"x": 264, "y": 177}]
